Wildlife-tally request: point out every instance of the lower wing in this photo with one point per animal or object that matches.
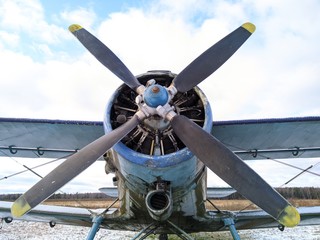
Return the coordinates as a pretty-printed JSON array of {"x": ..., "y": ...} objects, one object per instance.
[{"x": 113, "y": 220}]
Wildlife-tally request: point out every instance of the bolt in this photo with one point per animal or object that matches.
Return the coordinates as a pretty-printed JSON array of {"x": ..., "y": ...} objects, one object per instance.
[{"x": 155, "y": 89}]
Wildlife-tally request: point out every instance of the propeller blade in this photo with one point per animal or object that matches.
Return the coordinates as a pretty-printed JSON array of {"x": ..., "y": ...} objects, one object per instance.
[
  {"x": 209, "y": 61},
  {"x": 234, "y": 171},
  {"x": 70, "y": 168},
  {"x": 104, "y": 55}
]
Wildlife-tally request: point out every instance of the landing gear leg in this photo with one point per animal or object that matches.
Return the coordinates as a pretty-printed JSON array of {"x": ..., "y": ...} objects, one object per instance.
[
  {"x": 179, "y": 232},
  {"x": 146, "y": 231},
  {"x": 163, "y": 236},
  {"x": 228, "y": 222},
  {"x": 95, "y": 227}
]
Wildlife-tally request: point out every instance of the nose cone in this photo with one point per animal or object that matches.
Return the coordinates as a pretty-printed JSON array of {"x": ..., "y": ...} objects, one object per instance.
[{"x": 155, "y": 95}]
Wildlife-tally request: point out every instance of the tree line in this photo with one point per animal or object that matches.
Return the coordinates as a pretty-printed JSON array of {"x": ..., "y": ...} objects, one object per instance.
[
  {"x": 58, "y": 196},
  {"x": 296, "y": 193}
]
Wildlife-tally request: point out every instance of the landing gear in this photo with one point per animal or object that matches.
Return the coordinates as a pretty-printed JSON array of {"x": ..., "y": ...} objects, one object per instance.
[
  {"x": 281, "y": 227},
  {"x": 163, "y": 236},
  {"x": 228, "y": 220},
  {"x": 95, "y": 227},
  {"x": 8, "y": 219},
  {"x": 151, "y": 229},
  {"x": 52, "y": 224}
]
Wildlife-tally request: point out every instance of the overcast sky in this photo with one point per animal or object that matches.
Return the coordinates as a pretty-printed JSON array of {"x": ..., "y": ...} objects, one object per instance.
[{"x": 47, "y": 73}]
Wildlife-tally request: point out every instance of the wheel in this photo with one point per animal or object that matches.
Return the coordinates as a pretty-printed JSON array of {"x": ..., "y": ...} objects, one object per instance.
[{"x": 163, "y": 236}]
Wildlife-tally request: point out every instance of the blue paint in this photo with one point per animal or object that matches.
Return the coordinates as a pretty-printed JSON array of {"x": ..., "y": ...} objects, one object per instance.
[
  {"x": 179, "y": 175},
  {"x": 155, "y": 95},
  {"x": 228, "y": 222},
  {"x": 162, "y": 161},
  {"x": 95, "y": 227},
  {"x": 140, "y": 170}
]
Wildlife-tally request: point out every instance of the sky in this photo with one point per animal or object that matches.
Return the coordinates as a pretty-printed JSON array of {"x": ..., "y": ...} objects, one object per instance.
[{"x": 46, "y": 73}]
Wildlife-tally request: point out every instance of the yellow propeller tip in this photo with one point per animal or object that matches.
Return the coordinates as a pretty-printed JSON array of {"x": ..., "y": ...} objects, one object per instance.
[
  {"x": 20, "y": 207},
  {"x": 289, "y": 217},
  {"x": 249, "y": 26},
  {"x": 74, "y": 27}
]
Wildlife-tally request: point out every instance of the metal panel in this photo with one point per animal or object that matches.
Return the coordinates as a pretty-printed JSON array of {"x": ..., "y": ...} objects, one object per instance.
[
  {"x": 250, "y": 139},
  {"x": 271, "y": 138},
  {"x": 211, "y": 192},
  {"x": 45, "y": 138},
  {"x": 251, "y": 219}
]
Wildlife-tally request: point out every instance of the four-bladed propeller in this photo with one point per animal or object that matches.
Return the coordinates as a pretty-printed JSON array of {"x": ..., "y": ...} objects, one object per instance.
[{"x": 209, "y": 150}]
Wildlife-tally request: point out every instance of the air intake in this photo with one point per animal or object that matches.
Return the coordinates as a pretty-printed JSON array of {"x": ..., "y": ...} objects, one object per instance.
[{"x": 159, "y": 204}]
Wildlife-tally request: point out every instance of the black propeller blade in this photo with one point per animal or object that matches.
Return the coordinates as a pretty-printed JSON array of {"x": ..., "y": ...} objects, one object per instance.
[
  {"x": 105, "y": 55},
  {"x": 209, "y": 61},
  {"x": 70, "y": 168},
  {"x": 234, "y": 171}
]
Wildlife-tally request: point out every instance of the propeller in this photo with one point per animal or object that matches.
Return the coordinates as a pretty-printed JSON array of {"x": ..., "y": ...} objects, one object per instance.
[
  {"x": 234, "y": 171},
  {"x": 104, "y": 55},
  {"x": 212, "y": 59},
  {"x": 208, "y": 149},
  {"x": 70, "y": 168}
]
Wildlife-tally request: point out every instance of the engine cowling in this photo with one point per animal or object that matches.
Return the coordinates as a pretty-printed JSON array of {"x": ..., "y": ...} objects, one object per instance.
[
  {"x": 152, "y": 149},
  {"x": 154, "y": 136}
]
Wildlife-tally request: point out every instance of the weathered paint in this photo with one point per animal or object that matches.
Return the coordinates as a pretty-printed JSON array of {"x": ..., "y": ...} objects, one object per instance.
[
  {"x": 155, "y": 95},
  {"x": 137, "y": 173}
]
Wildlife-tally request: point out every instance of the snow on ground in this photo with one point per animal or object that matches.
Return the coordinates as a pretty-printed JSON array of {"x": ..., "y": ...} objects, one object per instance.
[{"x": 39, "y": 231}]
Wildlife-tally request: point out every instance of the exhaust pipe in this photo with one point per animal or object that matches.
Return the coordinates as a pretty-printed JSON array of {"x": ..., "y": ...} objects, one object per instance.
[{"x": 159, "y": 204}]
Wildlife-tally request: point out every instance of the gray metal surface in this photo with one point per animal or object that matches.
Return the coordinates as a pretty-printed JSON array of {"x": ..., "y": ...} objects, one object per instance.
[
  {"x": 271, "y": 138},
  {"x": 211, "y": 192},
  {"x": 251, "y": 219},
  {"x": 249, "y": 139},
  {"x": 45, "y": 138}
]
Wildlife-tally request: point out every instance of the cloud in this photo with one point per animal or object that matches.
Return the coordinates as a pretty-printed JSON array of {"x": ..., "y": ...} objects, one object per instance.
[
  {"x": 47, "y": 73},
  {"x": 267, "y": 69},
  {"x": 41, "y": 80},
  {"x": 9, "y": 39},
  {"x": 277, "y": 175},
  {"x": 28, "y": 17},
  {"x": 88, "y": 181},
  {"x": 263, "y": 79},
  {"x": 80, "y": 16}
]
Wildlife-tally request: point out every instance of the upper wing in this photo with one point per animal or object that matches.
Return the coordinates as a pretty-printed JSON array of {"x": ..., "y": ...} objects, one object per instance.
[
  {"x": 45, "y": 138},
  {"x": 250, "y": 139},
  {"x": 271, "y": 138}
]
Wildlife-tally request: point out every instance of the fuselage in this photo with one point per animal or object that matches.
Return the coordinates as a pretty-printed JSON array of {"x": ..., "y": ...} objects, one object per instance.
[{"x": 154, "y": 171}]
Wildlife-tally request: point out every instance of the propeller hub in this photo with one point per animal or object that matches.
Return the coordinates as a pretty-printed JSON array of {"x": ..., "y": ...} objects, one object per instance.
[{"x": 155, "y": 95}]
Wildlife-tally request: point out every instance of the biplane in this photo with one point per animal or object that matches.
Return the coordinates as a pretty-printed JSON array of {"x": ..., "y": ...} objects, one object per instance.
[{"x": 158, "y": 138}]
